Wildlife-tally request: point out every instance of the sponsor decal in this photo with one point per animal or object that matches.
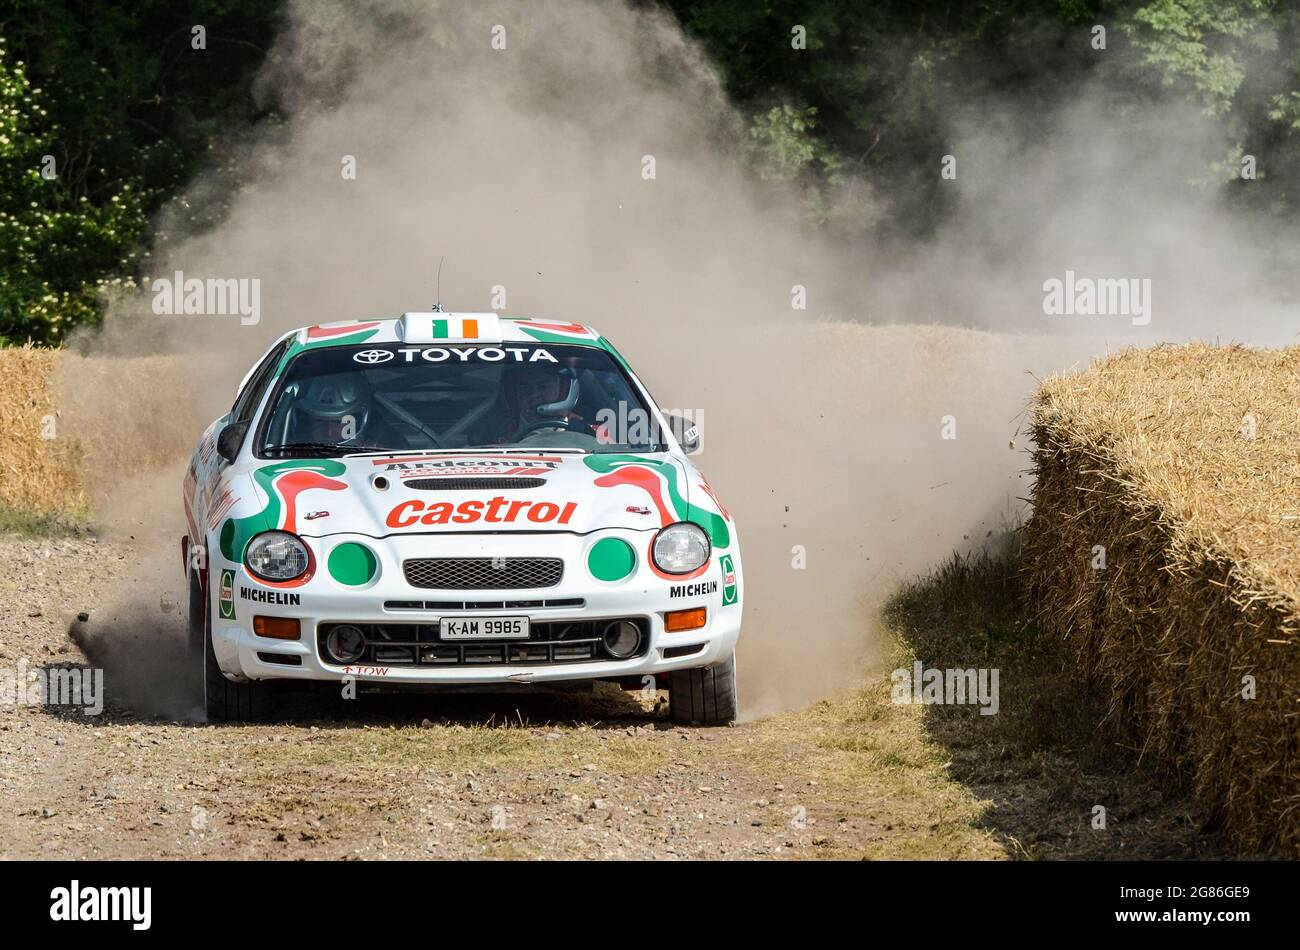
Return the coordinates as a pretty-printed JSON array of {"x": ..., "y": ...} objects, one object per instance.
[
  {"x": 221, "y": 507},
  {"x": 551, "y": 461},
  {"x": 728, "y": 579},
  {"x": 496, "y": 510},
  {"x": 708, "y": 490},
  {"x": 478, "y": 466},
  {"x": 462, "y": 354},
  {"x": 226, "y": 598},
  {"x": 208, "y": 445},
  {"x": 270, "y": 597},
  {"x": 475, "y": 470},
  {"x": 694, "y": 590},
  {"x": 189, "y": 517}
]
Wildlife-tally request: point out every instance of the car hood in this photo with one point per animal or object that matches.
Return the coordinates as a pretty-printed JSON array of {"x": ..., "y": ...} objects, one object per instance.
[{"x": 448, "y": 492}]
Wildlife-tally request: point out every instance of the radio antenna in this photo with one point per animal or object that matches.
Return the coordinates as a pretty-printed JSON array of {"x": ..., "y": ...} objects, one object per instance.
[{"x": 437, "y": 304}]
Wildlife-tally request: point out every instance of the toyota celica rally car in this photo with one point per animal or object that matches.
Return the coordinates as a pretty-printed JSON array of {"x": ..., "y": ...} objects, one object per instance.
[{"x": 456, "y": 499}]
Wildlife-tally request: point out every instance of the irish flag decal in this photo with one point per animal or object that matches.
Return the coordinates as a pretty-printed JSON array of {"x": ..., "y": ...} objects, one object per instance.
[
  {"x": 439, "y": 327},
  {"x": 455, "y": 328}
]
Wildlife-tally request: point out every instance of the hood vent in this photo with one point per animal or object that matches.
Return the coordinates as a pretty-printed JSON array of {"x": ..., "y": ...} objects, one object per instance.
[{"x": 490, "y": 483}]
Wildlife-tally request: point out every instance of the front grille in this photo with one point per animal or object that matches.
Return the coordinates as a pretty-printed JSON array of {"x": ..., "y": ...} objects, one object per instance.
[
  {"x": 418, "y": 644},
  {"x": 483, "y": 573},
  {"x": 491, "y": 483}
]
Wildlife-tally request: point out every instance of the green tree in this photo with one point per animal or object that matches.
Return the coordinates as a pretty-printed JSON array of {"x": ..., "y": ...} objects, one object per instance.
[
  {"x": 117, "y": 92},
  {"x": 1240, "y": 60},
  {"x": 1205, "y": 44},
  {"x": 885, "y": 79},
  {"x": 55, "y": 248}
]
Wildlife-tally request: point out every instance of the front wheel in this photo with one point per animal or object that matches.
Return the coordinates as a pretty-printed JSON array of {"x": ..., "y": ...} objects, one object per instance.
[
  {"x": 223, "y": 699},
  {"x": 704, "y": 697}
]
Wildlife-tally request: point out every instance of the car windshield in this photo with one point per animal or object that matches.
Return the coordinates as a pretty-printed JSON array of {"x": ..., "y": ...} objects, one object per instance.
[{"x": 336, "y": 400}]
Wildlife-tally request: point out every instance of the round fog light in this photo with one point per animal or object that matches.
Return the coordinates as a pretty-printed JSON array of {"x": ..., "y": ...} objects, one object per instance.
[
  {"x": 621, "y": 638},
  {"x": 345, "y": 643}
]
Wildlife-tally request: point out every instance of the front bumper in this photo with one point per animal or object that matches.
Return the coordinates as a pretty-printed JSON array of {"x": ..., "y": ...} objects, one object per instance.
[{"x": 643, "y": 595}]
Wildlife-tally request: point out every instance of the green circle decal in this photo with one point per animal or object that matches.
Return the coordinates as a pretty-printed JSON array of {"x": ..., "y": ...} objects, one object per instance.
[
  {"x": 611, "y": 559},
  {"x": 352, "y": 564}
]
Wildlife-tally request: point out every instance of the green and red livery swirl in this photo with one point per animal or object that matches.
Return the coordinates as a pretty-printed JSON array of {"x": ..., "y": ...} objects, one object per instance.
[{"x": 282, "y": 483}]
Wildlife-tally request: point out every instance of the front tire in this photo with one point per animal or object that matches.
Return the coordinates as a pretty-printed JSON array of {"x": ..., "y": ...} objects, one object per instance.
[
  {"x": 704, "y": 697},
  {"x": 223, "y": 700}
]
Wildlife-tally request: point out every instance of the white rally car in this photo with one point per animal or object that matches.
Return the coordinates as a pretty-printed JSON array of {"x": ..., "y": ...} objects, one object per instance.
[{"x": 456, "y": 499}]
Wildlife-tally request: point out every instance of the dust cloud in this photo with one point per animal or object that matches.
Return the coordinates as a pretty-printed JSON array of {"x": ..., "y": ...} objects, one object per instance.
[
  {"x": 138, "y": 635},
  {"x": 823, "y": 428}
]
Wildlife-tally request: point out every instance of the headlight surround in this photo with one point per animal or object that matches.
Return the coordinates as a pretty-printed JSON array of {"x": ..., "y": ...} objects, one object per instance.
[
  {"x": 681, "y": 548},
  {"x": 277, "y": 556}
]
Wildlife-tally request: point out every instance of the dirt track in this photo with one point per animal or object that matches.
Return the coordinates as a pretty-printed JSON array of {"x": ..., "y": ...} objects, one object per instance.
[{"x": 599, "y": 775}]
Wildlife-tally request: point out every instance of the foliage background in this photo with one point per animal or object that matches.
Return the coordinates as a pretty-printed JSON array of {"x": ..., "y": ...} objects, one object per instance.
[{"x": 130, "y": 111}]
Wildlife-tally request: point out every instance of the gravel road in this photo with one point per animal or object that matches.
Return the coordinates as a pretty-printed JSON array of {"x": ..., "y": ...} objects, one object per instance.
[{"x": 574, "y": 775}]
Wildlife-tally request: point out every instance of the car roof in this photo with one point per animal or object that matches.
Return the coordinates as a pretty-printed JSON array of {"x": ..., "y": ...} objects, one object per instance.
[{"x": 434, "y": 328}]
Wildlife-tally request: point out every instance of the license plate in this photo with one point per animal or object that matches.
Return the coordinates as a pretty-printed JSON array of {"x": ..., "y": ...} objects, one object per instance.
[{"x": 483, "y": 628}]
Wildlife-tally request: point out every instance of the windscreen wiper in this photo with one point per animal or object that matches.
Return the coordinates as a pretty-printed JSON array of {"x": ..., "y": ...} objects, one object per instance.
[{"x": 319, "y": 447}]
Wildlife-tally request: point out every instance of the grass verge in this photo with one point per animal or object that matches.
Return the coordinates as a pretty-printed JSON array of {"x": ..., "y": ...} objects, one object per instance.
[
  {"x": 1050, "y": 763},
  {"x": 38, "y": 524}
]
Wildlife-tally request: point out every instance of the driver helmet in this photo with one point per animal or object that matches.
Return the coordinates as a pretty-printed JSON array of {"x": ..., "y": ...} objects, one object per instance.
[
  {"x": 333, "y": 408},
  {"x": 528, "y": 387}
]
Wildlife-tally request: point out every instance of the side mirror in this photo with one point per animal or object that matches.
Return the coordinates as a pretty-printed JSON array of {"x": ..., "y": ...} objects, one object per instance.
[
  {"x": 231, "y": 438},
  {"x": 686, "y": 432}
]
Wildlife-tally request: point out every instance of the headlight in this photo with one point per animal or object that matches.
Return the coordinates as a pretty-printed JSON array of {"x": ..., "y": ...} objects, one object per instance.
[
  {"x": 276, "y": 556},
  {"x": 681, "y": 548}
]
